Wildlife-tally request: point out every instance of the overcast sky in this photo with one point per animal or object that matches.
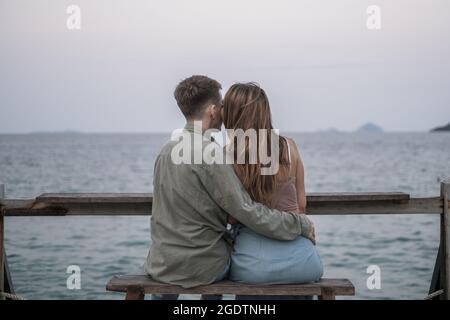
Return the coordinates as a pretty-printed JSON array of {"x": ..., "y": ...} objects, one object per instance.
[{"x": 319, "y": 63}]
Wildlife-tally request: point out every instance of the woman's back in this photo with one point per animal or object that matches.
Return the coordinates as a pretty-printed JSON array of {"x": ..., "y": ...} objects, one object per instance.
[
  {"x": 256, "y": 258},
  {"x": 285, "y": 196}
]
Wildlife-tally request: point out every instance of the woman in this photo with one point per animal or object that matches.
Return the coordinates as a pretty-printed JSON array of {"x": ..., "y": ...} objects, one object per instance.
[{"x": 257, "y": 259}]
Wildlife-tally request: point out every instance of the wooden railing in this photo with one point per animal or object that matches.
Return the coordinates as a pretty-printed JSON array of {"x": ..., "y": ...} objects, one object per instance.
[{"x": 119, "y": 204}]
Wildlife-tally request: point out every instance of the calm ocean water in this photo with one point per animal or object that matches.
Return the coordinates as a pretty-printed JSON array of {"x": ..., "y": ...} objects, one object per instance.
[{"x": 41, "y": 248}]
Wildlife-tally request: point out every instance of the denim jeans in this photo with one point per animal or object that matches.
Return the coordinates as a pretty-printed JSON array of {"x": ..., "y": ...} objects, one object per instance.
[
  {"x": 220, "y": 277},
  {"x": 259, "y": 260}
]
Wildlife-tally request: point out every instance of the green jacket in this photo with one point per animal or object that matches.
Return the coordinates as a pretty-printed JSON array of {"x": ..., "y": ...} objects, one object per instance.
[{"x": 191, "y": 244}]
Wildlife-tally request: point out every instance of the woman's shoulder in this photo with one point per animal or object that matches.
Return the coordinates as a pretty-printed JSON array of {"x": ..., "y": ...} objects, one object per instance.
[
  {"x": 292, "y": 146},
  {"x": 288, "y": 140}
]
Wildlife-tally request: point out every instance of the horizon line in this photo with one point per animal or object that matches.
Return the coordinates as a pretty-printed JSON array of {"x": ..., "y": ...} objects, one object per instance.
[{"x": 75, "y": 132}]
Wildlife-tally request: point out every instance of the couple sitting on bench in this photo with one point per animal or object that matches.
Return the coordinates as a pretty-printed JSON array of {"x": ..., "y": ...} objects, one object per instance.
[{"x": 271, "y": 240}]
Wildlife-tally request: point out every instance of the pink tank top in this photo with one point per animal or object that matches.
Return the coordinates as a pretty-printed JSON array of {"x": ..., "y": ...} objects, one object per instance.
[{"x": 285, "y": 197}]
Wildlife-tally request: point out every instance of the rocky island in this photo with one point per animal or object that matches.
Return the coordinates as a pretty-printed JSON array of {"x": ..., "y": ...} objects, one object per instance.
[
  {"x": 370, "y": 128},
  {"x": 443, "y": 128}
]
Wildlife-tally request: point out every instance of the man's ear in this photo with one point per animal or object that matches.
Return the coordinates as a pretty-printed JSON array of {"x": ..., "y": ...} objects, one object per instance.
[{"x": 212, "y": 111}]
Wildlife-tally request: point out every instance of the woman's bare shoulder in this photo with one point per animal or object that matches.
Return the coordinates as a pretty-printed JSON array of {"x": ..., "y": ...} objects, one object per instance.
[{"x": 293, "y": 147}]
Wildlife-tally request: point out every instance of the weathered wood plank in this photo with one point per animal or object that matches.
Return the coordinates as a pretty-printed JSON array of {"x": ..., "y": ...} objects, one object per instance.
[
  {"x": 83, "y": 198},
  {"x": 353, "y": 196},
  {"x": 30, "y": 207},
  {"x": 87, "y": 204},
  {"x": 147, "y": 285},
  {"x": 66, "y": 198},
  {"x": 412, "y": 206}
]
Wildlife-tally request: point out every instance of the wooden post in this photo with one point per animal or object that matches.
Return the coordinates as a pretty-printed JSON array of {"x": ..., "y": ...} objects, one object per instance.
[
  {"x": 2, "y": 242},
  {"x": 327, "y": 294},
  {"x": 445, "y": 237},
  {"x": 135, "y": 293}
]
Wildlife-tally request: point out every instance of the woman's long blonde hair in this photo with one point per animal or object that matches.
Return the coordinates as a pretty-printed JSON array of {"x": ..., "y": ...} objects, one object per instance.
[{"x": 246, "y": 106}]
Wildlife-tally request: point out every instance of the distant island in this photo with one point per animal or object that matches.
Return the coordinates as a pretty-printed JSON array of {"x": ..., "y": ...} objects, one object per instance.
[
  {"x": 443, "y": 128},
  {"x": 370, "y": 128}
]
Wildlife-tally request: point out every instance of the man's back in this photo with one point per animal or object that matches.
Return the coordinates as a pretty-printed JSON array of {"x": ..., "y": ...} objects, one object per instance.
[{"x": 190, "y": 242}]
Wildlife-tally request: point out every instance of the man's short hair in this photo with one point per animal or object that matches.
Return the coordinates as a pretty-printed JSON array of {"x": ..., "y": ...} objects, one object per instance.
[{"x": 193, "y": 94}]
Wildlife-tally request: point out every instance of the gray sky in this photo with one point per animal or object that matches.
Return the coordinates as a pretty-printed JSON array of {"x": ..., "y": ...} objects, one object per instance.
[{"x": 318, "y": 62}]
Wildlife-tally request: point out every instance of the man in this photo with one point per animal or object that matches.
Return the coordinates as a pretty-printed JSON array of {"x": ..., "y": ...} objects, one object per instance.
[{"x": 191, "y": 245}]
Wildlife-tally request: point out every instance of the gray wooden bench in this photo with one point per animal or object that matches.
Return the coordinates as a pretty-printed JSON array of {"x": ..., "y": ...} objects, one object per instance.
[{"x": 136, "y": 286}]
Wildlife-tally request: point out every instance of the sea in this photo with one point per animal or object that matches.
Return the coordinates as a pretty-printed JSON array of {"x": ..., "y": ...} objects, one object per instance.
[{"x": 40, "y": 250}]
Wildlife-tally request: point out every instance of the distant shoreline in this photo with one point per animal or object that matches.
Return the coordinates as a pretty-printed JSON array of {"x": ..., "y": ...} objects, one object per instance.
[{"x": 169, "y": 133}]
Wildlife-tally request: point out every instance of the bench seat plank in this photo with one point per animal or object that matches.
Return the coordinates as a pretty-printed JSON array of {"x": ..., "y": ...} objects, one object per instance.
[{"x": 147, "y": 285}]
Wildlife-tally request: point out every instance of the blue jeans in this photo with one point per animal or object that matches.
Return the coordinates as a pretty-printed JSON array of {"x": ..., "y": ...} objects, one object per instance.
[
  {"x": 220, "y": 277},
  {"x": 260, "y": 260}
]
